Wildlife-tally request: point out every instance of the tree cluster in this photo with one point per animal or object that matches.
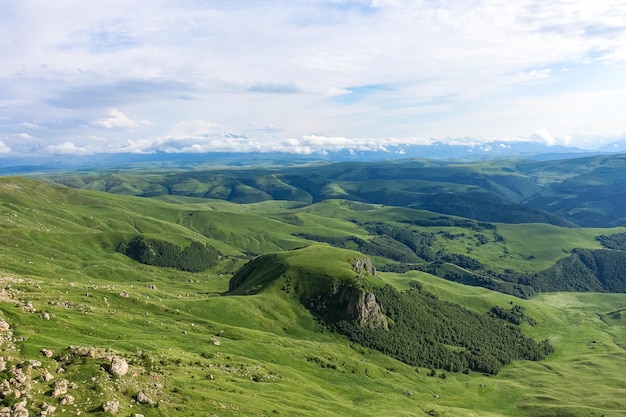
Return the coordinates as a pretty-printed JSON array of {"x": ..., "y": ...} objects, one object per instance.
[
  {"x": 616, "y": 241},
  {"x": 463, "y": 261},
  {"x": 491, "y": 283},
  {"x": 600, "y": 270},
  {"x": 196, "y": 257},
  {"x": 381, "y": 245},
  {"x": 447, "y": 221},
  {"x": 428, "y": 332},
  {"x": 515, "y": 315},
  {"x": 418, "y": 242}
]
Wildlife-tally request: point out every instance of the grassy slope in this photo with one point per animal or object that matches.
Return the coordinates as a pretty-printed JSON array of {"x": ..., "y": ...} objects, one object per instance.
[
  {"x": 57, "y": 251},
  {"x": 585, "y": 191}
]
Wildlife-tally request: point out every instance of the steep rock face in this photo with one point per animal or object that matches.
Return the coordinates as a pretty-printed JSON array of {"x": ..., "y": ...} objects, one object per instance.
[
  {"x": 367, "y": 311},
  {"x": 362, "y": 305},
  {"x": 364, "y": 264}
]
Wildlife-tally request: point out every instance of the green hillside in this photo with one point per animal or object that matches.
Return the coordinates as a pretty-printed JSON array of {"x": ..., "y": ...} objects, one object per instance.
[
  {"x": 586, "y": 192},
  {"x": 70, "y": 302}
]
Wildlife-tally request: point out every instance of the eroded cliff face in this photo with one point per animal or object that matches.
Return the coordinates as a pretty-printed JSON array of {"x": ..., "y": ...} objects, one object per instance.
[
  {"x": 367, "y": 311},
  {"x": 362, "y": 265},
  {"x": 363, "y": 306}
]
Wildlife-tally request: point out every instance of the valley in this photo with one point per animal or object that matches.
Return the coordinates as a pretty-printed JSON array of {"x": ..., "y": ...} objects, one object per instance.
[{"x": 198, "y": 343}]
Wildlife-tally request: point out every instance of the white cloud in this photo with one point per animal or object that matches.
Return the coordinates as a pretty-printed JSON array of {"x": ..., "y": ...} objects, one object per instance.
[
  {"x": 25, "y": 136},
  {"x": 333, "y": 74},
  {"x": 545, "y": 136},
  {"x": 535, "y": 74},
  {"x": 118, "y": 120},
  {"x": 192, "y": 128},
  {"x": 4, "y": 148},
  {"x": 67, "y": 148}
]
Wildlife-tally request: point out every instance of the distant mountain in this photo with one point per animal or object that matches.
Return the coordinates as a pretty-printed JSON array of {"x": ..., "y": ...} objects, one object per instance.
[
  {"x": 466, "y": 150},
  {"x": 473, "y": 150},
  {"x": 617, "y": 146}
]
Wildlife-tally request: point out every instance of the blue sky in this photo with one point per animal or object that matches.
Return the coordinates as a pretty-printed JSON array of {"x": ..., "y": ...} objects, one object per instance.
[{"x": 85, "y": 77}]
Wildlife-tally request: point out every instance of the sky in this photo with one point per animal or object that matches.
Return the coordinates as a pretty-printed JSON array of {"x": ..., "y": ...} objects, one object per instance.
[{"x": 87, "y": 77}]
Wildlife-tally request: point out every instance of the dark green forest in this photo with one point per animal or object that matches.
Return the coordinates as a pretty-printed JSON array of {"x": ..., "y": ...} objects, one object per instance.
[
  {"x": 196, "y": 257},
  {"x": 585, "y": 270},
  {"x": 429, "y": 333}
]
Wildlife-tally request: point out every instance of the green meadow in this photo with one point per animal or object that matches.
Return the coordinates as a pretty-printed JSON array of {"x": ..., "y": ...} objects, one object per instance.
[{"x": 195, "y": 349}]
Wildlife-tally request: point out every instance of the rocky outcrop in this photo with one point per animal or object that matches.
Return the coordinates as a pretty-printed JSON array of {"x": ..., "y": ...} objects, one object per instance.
[
  {"x": 362, "y": 265},
  {"x": 367, "y": 311},
  {"x": 363, "y": 306},
  {"x": 142, "y": 398},
  {"x": 60, "y": 388},
  {"x": 111, "y": 407}
]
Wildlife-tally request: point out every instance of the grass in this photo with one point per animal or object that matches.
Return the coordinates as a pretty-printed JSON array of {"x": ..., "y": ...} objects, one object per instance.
[{"x": 262, "y": 354}]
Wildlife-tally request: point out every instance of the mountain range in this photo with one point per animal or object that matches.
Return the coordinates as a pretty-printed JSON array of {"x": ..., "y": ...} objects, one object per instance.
[{"x": 465, "y": 149}]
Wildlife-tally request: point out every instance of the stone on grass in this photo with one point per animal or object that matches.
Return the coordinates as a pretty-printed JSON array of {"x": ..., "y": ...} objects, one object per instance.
[
  {"x": 118, "y": 366},
  {"x": 142, "y": 398},
  {"x": 60, "y": 388},
  {"x": 47, "y": 353},
  {"x": 67, "y": 400},
  {"x": 111, "y": 407}
]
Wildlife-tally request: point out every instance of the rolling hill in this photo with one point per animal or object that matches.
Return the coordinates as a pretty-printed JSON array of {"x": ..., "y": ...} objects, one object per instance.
[
  {"x": 587, "y": 192},
  {"x": 255, "y": 334}
]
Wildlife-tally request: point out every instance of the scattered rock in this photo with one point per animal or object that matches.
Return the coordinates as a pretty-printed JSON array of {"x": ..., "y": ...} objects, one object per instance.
[
  {"x": 142, "y": 398},
  {"x": 60, "y": 388},
  {"x": 45, "y": 316},
  {"x": 47, "y": 376},
  {"x": 124, "y": 294},
  {"x": 19, "y": 377},
  {"x": 60, "y": 370},
  {"x": 408, "y": 393},
  {"x": 118, "y": 366},
  {"x": 67, "y": 400},
  {"x": 47, "y": 409},
  {"x": 152, "y": 287},
  {"x": 47, "y": 353},
  {"x": 91, "y": 353},
  {"x": 20, "y": 410},
  {"x": 28, "y": 308},
  {"x": 34, "y": 364},
  {"x": 4, "y": 326},
  {"x": 216, "y": 341},
  {"x": 12, "y": 394},
  {"x": 111, "y": 407}
]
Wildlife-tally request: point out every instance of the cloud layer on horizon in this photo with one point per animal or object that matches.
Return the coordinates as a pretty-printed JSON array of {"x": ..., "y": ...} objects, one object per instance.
[{"x": 309, "y": 76}]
